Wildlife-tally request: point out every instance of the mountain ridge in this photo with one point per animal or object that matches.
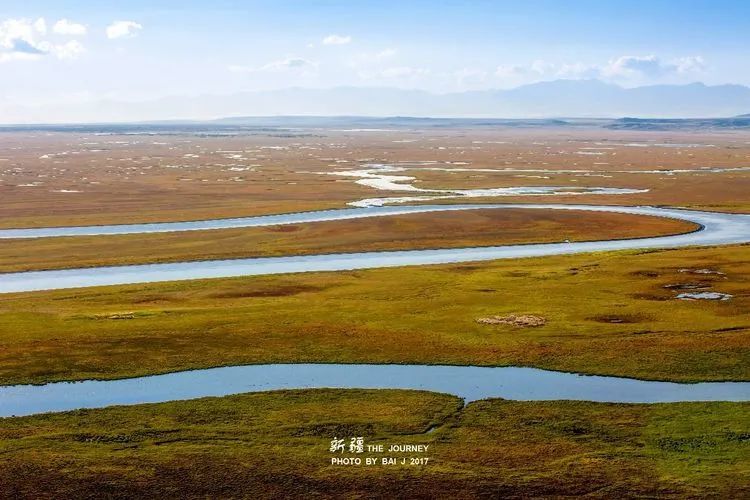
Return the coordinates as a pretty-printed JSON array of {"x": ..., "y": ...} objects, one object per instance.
[{"x": 540, "y": 100}]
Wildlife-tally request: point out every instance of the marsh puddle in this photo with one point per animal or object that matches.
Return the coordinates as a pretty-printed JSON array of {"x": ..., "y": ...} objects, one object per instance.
[
  {"x": 704, "y": 296},
  {"x": 378, "y": 176},
  {"x": 468, "y": 382}
]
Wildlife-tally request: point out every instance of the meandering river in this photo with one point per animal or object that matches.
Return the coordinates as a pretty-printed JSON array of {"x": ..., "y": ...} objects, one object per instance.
[
  {"x": 716, "y": 229},
  {"x": 468, "y": 382}
]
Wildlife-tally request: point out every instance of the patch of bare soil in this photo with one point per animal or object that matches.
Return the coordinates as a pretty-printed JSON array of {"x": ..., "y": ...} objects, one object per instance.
[{"x": 520, "y": 320}]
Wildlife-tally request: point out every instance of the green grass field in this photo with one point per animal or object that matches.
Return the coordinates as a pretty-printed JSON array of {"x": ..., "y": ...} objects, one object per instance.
[
  {"x": 607, "y": 313},
  {"x": 273, "y": 445}
]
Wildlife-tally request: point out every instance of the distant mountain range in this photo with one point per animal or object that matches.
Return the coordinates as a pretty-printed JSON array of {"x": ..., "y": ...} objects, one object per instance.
[
  {"x": 302, "y": 126},
  {"x": 559, "y": 98},
  {"x": 734, "y": 123}
]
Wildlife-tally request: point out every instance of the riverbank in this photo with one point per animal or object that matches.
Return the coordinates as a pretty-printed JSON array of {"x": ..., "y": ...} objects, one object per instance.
[
  {"x": 447, "y": 229},
  {"x": 470, "y": 383},
  {"x": 613, "y": 313},
  {"x": 264, "y": 445},
  {"x": 715, "y": 229}
]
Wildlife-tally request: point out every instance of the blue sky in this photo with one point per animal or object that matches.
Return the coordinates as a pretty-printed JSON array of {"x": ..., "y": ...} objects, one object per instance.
[{"x": 140, "y": 49}]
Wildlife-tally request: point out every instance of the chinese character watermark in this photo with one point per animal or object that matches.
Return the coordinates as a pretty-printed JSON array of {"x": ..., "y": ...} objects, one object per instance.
[
  {"x": 357, "y": 445},
  {"x": 337, "y": 445}
]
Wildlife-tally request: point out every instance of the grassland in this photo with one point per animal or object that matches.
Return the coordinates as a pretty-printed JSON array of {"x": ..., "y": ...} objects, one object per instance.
[
  {"x": 276, "y": 445},
  {"x": 76, "y": 179},
  {"x": 406, "y": 232},
  {"x": 609, "y": 313}
]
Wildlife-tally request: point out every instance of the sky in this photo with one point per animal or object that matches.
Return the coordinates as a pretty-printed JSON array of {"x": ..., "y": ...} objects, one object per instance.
[{"x": 88, "y": 51}]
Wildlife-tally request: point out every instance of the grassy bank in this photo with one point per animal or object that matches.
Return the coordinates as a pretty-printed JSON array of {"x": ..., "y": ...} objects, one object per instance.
[
  {"x": 608, "y": 313},
  {"x": 405, "y": 232},
  {"x": 275, "y": 444}
]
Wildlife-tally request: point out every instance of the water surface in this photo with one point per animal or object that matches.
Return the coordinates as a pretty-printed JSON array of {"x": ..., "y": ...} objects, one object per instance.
[
  {"x": 468, "y": 382},
  {"x": 717, "y": 229}
]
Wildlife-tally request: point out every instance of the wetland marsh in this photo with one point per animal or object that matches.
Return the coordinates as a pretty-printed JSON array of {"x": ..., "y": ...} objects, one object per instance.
[{"x": 680, "y": 314}]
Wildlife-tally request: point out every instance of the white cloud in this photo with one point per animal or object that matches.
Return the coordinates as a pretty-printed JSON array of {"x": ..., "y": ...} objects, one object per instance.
[
  {"x": 510, "y": 71},
  {"x": 385, "y": 54},
  {"x": 651, "y": 66},
  {"x": 21, "y": 40},
  {"x": 643, "y": 69},
  {"x": 288, "y": 64},
  {"x": 577, "y": 70},
  {"x": 16, "y": 29},
  {"x": 40, "y": 25},
  {"x": 337, "y": 40},
  {"x": 537, "y": 68},
  {"x": 70, "y": 50},
  {"x": 123, "y": 29},
  {"x": 403, "y": 72},
  {"x": 12, "y": 55},
  {"x": 629, "y": 66},
  {"x": 66, "y": 27},
  {"x": 692, "y": 64},
  {"x": 371, "y": 59}
]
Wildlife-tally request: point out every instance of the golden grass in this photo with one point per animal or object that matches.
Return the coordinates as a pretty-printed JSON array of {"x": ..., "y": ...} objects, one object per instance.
[
  {"x": 405, "y": 232},
  {"x": 606, "y": 313},
  {"x": 125, "y": 179}
]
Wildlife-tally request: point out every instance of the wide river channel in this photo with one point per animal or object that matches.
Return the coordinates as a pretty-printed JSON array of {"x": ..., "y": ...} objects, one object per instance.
[
  {"x": 716, "y": 229},
  {"x": 468, "y": 382}
]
